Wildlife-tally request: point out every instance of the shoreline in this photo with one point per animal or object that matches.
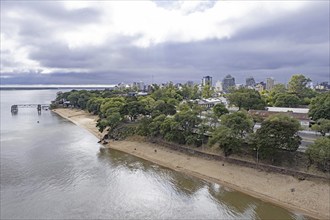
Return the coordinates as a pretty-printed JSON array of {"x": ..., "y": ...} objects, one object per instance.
[{"x": 311, "y": 198}]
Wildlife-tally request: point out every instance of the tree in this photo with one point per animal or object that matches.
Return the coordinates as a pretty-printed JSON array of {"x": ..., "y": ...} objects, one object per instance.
[
  {"x": 154, "y": 126},
  {"x": 163, "y": 108},
  {"x": 239, "y": 122},
  {"x": 320, "y": 106},
  {"x": 143, "y": 127},
  {"x": 133, "y": 109},
  {"x": 148, "y": 103},
  {"x": 319, "y": 152},
  {"x": 287, "y": 100},
  {"x": 207, "y": 91},
  {"x": 111, "y": 105},
  {"x": 93, "y": 105},
  {"x": 277, "y": 132},
  {"x": 246, "y": 98},
  {"x": 169, "y": 129},
  {"x": 322, "y": 125},
  {"x": 219, "y": 110},
  {"x": 102, "y": 124},
  {"x": 273, "y": 94},
  {"x": 232, "y": 132},
  {"x": 278, "y": 88},
  {"x": 298, "y": 85},
  {"x": 73, "y": 98},
  {"x": 226, "y": 139},
  {"x": 114, "y": 120},
  {"x": 188, "y": 120}
]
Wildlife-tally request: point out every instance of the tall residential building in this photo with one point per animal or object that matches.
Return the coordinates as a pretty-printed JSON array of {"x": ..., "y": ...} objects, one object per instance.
[
  {"x": 260, "y": 86},
  {"x": 270, "y": 83},
  {"x": 189, "y": 83},
  {"x": 218, "y": 86},
  {"x": 250, "y": 82},
  {"x": 228, "y": 82},
  {"x": 207, "y": 80},
  {"x": 138, "y": 86}
]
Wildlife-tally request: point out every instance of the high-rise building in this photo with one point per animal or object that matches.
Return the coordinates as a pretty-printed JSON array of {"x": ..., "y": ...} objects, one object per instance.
[
  {"x": 189, "y": 83},
  {"x": 207, "y": 80},
  {"x": 250, "y": 82},
  {"x": 228, "y": 82},
  {"x": 218, "y": 86},
  {"x": 260, "y": 86},
  {"x": 138, "y": 86},
  {"x": 270, "y": 83}
]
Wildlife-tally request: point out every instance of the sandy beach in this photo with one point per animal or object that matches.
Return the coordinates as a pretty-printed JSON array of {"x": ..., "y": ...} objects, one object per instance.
[{"x": 310, "y": 197}]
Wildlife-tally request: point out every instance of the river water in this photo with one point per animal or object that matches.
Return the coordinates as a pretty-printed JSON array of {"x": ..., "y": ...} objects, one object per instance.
[{"x": 54, "y": 169}]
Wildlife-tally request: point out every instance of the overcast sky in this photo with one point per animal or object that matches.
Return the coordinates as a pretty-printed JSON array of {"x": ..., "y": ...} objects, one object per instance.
[{"x": 82, "y": 42}]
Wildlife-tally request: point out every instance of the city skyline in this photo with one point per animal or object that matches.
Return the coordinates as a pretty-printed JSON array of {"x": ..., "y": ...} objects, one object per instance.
[{"x": 96, "y": 42}]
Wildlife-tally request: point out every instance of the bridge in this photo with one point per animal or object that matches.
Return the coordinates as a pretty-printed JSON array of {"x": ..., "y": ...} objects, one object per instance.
[{"x": 14, "y": 108}]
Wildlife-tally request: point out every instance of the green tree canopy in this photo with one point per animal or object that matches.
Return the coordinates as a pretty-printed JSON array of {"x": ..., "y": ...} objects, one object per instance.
[
  {"x": 278, "y": 88},
  {"x": 240, "y": 122},
  {"x": 132, "y": 109},
  {"x": 188, "y": 120},
  {"x": 111, "y": 105},
  {"x": 219, "y": 110},
  {"x": 148, "y": 103},
  {"x": 273, "y": 94},
  {"x": 207, "y": 91},
  {"x": 232, "y": 132},
  {"x": 319, "y": 152},
  {"x": 93, "y": 105},
  {"x": 226, "y": 139},
  {"x": 320, "y": 106},
  {"x": 298, "y": 86},
  {"x": 287, "y": 100},
  {"x": 246, "y": 98},
  {"x": 277, "y": 132},
  {"x": 322, "y": 125},
  {"x": 190, "y": 92},
  {"x": 163, "y": 108}
]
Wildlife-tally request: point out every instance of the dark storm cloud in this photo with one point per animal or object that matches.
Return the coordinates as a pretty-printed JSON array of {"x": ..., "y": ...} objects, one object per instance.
[
  {"x": 52, "y": 11},
  {"x": 293, "y": 43},
  {"x": 309, "y": 25}
]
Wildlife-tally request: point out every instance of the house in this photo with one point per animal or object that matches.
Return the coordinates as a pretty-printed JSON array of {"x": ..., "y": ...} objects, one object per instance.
[
  {"x": 209, "y": 103},
  {"x": 303, "y": 118},
  {"x": 282, "y": 109}
]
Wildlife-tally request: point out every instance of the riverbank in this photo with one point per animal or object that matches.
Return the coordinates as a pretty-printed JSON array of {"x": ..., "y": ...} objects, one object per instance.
[{"x": 308, "y": 196}]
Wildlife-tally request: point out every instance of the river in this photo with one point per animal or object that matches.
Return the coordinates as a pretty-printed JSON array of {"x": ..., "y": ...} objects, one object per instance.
[{"x": 54, "y": 169}]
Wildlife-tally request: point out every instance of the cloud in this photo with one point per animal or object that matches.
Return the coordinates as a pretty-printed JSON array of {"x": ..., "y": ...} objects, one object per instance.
[{"x": 85, "y": 42}]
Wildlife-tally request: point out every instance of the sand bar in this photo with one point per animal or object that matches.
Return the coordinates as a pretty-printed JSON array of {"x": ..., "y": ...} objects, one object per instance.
[{"x": 310, "y": 197}]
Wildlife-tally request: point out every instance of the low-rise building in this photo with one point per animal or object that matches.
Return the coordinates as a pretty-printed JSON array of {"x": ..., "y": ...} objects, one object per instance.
[
  {"x": 209, "y": 103},
  {"x": 303, "y": 118}
]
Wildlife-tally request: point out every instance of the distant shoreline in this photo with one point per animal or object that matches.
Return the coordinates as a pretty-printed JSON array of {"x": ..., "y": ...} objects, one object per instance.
[{"x": 308, "y": 197}]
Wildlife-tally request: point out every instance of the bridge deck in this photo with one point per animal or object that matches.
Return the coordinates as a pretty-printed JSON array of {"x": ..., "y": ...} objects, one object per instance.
[{"x": 31, "y": 105}]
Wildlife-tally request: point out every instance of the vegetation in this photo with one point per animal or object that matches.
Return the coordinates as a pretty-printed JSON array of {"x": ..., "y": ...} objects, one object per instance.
[
  {"x": 277, "y": 133},
  {"x": 298, "y": 93},
  {"x": 232, "y": 132},
  {"x": 319, "y": 152},
  {"x": 322, "y": 125},
  {"x": 246, "y": 98},
  {"x": 298, "y": 86},
  {"x": 272, "y": 95},
  {"x": 207, "y": 91},
  {"x": 219, "y": 110},
  {"x": 171, "y": 114},
  {"x": 227, "y": 140},
  {"x": 287, "y": 100},
  {"x": 320, "y": 107}
]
